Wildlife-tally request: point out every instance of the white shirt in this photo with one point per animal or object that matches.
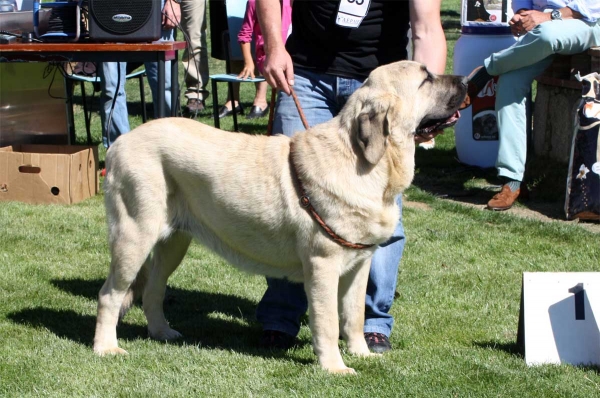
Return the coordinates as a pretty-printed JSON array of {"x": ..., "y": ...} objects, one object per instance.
[{"x": 589, "y": 9}]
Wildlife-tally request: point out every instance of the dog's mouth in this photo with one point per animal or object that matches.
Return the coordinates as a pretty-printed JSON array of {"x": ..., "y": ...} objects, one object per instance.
[{"x": 431, "y": 125}]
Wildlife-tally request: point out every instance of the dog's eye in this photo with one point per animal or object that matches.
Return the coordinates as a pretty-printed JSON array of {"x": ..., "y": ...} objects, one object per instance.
[{"x": 429, "y": 79}]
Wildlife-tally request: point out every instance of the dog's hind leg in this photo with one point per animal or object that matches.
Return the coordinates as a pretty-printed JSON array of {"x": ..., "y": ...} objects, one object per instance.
[
  {"x": 352, "y": 290},
  {"x": 133, "y": 234},
  {"x": 166, "y": 258}
]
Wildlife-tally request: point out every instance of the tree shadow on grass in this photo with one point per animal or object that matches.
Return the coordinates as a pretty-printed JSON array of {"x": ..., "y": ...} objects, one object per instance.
[{"x": 210, "y": 320}]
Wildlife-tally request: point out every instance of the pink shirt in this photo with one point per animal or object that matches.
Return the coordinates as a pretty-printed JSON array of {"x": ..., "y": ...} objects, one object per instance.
[{"x": 250, "y": 27}]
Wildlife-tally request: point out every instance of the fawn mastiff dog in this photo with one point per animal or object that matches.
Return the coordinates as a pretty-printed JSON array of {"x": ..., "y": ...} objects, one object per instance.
[{"x": 171, "y": 180}]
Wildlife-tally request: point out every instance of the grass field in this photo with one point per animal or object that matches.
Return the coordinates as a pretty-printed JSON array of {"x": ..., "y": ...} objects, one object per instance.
[{"x": 456, "y": 312}]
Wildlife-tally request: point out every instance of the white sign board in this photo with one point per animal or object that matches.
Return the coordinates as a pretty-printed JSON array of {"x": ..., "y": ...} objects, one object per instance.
[{"x": 559, "y": 317}]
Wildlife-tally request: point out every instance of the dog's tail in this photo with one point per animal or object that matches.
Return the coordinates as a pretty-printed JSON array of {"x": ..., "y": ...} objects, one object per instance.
[{"x": 135, "y": 291}]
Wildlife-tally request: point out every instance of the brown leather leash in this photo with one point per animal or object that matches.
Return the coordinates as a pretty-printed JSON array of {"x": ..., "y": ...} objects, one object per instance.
[
  {"x": 272, "y": 110},
  {"x": 304, "y": 198}
]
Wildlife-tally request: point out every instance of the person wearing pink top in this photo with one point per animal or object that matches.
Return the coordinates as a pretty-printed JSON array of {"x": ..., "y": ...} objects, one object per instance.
[{"x": 250, "y": 30}]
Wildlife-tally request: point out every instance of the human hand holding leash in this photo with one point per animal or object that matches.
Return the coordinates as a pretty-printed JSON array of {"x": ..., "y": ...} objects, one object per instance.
[
  {"x": 171, "y": 14},
  {"x": 279, "y": 71}
]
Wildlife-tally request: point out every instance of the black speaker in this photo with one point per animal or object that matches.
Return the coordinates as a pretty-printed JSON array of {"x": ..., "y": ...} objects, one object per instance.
[{"x": 124, "y": 20}]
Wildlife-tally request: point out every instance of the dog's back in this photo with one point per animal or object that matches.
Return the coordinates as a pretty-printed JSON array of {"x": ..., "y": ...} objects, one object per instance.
[{"x": 176, "y": 175}]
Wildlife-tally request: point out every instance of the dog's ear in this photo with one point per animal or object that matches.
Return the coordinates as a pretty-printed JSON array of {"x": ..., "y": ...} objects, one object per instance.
[
  {"x": 372, "y": 134},
  {"x": 374, "y": 125}
]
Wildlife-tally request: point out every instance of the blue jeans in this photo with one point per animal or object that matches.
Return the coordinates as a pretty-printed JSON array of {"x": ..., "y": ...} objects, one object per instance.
[
  {"x": 109, "y": 73},
  {"x": 517, "y": 66},
  {"x": 322, "y": 97}
]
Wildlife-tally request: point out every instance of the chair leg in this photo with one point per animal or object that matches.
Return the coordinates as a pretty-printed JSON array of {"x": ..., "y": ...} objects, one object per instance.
[
  {"x": 215, "y": 104},
  {"x": 86, "y": 117},
  {"x": 232, "y": 97},
  {"x": 143, "y": 98}
]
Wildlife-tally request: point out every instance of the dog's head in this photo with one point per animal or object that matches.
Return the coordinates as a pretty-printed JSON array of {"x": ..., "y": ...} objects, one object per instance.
[{"x": 398, "y": 101}]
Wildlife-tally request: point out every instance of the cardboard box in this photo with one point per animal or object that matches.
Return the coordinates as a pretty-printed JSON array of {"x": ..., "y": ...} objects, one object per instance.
[{"x": 62, "y": 174}]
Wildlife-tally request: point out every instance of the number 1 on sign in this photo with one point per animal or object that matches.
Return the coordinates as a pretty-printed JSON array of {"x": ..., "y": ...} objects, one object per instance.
[{"x": 579, "y": 295}]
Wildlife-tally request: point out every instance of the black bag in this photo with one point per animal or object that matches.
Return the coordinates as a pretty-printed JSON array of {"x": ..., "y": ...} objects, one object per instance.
[{"x": 583, "y": 181}]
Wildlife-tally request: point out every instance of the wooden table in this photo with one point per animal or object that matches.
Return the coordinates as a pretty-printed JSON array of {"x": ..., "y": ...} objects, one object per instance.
[{"x": 159, "y": 52}]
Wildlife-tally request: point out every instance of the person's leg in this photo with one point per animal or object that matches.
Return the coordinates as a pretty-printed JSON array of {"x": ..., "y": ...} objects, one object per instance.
[
  {"x": 382, "y": 281},
  {"x": 511, "y": 94},
  {"x": 195, "y": 55},
  {"x": 152, "y": 73},
  {"x": 317, "y": 96},
  {"x": 281, "y": 307},
  {"x": 565, "y": 37},
  {"x": 113, "y": 101},
  {"x": 260, "y": 99},
  {"x": 285, "y": 302},
  {"x": 569, "y": 36}
]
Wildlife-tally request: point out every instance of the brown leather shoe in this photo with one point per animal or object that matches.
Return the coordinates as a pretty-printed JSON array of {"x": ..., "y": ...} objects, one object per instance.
[
  {"x": 504, "y": 199},
  {"x": 194, "y": 105}
]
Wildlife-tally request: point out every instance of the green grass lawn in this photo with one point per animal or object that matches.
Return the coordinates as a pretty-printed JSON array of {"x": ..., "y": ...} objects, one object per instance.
[{"x": 456, "y": 312}]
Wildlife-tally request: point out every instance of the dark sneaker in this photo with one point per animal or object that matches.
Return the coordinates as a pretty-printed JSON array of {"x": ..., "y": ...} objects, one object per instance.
[
  {"x": 276, "y": 340},
  {"x": 378, "y": 342}
]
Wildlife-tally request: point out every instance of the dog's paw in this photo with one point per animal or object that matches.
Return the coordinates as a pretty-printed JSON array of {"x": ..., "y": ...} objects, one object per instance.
[
  {"x": 359, "y": 347},
  {"x": 368, "y": 354},
  {"x": 166, "y": 334},
  {"x": 342, "y": 371},
  {"x": 109, "y": 351}
]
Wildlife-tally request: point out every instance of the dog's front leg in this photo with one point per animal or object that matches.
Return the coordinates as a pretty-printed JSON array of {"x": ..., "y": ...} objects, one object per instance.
[
  {"x": 321, "y": 285},
  {"x": 352, "y": 290}
]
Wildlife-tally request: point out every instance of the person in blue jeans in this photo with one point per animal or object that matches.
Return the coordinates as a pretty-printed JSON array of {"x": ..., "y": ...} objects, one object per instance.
[
  {"x": 353, "y": 40},
  {"x": 113, "y": 113}
]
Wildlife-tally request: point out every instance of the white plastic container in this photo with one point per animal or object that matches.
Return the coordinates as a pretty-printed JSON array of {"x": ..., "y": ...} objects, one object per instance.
[{"x": 476, "y": 131}]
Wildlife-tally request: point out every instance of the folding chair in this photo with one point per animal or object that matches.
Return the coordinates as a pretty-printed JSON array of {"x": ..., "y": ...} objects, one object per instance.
[
  {"x": 235, "y": 16},
  {"x": 82, "y": 79}
]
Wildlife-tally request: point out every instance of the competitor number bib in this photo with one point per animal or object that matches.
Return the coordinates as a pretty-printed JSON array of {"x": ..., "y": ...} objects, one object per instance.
[{"x": 352, "y": 12}]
